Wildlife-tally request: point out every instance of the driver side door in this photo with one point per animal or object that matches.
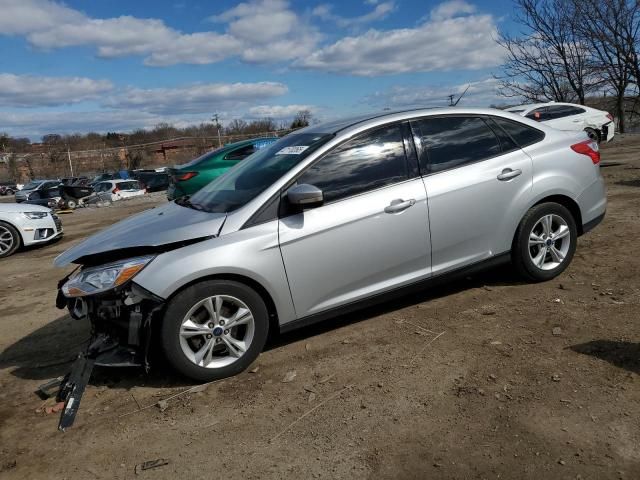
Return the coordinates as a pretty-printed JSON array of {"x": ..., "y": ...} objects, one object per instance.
[{"x": 372, "y": 232}]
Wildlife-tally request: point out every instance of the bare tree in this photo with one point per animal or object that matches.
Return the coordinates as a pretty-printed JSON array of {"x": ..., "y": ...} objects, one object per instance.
[
  {"x": 302, "y": 119},
  {"x": 549, "y": 62},
  {"x": 610, "y": 28}
]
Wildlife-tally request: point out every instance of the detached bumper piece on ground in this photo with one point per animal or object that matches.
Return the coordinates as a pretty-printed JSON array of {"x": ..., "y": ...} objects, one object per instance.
[{"x": 121, "y": 333}]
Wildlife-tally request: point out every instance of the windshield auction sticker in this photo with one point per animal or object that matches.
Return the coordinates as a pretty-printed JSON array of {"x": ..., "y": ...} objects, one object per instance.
[{"x": 296, "y": 150}]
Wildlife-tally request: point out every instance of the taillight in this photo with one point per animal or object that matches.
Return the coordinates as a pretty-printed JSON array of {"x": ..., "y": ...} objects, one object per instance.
[
  {"x": 588, "y": 148},
  {"x": 186, "y": 176},
  {"x": 610, "y": 117},
  {"x": 115, "y": 190}
]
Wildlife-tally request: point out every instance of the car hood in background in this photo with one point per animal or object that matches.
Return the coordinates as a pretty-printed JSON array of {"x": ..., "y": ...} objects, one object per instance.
[
  {"x": 168, "y": 224},
  {"x": 21, "y": 207}
]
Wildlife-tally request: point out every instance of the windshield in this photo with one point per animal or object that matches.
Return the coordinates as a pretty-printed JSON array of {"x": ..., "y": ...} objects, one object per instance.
[
  {"x": 252, "y": 176},
  {"x": 31, "y": 185}
]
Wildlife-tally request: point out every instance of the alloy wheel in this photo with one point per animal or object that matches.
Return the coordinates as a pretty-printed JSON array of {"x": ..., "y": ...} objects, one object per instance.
[
  {"x": 6, "y": 240},
  {"x": 549, "y": 242},
  {"x": 217, "y": 331}
]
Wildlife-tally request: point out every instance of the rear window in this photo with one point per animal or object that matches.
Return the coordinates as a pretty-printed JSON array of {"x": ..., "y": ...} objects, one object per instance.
[
  {"x": 132, "y": 185},
  {"x": 522, "y": 134}
]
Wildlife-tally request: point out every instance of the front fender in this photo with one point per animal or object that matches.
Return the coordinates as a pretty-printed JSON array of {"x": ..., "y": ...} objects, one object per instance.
[{"x": 253, "y": 253}]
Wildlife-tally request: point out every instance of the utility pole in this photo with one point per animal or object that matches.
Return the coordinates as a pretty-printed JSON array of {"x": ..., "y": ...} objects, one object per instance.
[
  {"x": 215, "y": 119},
  {"x": 69, "y": 156}
]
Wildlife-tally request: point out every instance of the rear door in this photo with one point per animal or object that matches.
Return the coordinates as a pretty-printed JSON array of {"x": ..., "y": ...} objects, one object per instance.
[
  {"x": 477, "y": 183},
  {"x": 371, "y": 234}
]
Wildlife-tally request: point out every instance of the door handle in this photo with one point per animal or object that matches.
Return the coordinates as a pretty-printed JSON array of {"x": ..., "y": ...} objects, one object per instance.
[
  {"x": 398, "y": 205},
  {"x": 508, "y": 174}
]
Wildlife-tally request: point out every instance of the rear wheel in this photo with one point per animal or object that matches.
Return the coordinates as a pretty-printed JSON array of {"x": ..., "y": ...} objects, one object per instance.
[
  {"x": 71, "y": 203},
  {"x": 214, "y": 329},
  {"x": 9, "y": 239},
  {"x": 545, "y": 242}
]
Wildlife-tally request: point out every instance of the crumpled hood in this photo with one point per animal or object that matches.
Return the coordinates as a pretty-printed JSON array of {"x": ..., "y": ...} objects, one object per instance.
[{"x": 159, "y": 226}]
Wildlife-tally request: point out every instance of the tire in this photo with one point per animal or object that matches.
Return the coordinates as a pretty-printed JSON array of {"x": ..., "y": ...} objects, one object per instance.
[
  {"x": 527, "y": 254},
  {"x": 181, "y": 345},
  {"x": 71, "y": 204},
  {"x": 9, "y": 192},
  {"x": 9, "y": 239},
  {"x": 593, "y": 134}
]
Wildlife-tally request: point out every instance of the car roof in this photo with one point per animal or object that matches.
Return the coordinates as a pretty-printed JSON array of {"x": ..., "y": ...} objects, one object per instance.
[
  {"x": 533, "y": 106},
  {"x": 373, "y": 119}
]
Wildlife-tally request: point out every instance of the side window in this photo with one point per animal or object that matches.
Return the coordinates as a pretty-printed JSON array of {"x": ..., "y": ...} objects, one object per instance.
[
  {"x": 369, "y": 161},
  {"x": 449, "y": 142},
  {"x": 240, "y": 153},
  {"x": 561, "y": 111},
  {"x": 506, "y": 142},
  {"x": 539, "y": 114},
  {"x": 522, "y": 134}
]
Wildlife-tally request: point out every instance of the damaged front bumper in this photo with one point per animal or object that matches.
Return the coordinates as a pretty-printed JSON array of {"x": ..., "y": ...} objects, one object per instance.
[{"x": 121, "y": 327}]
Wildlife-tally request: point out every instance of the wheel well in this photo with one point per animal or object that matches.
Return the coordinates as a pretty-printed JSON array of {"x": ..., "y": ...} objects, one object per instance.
[
  {"x": 569, "y": 204},
  {"x": 274, "y": 324}
]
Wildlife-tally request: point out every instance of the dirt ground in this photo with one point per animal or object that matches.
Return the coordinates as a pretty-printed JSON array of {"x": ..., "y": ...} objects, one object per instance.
[{"x": 486, "y": 377}]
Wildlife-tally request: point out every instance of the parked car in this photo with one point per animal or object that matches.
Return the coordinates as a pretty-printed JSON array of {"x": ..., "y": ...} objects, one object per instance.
[
  {"x": 598, "y": 124},
  {"x": 8, "y": 189},
  {"x": 120, "y": 189},
  {"x": 74, "y": 195},
  {"x": 33, "y": 190},
  {"x": 104, "y": 176},
  {"x": 24, "y": 225},
  {"x": 81, "y": 182},
  {"x": 330, "y": 218},
  {"x": 48, "y": 197},
  {"x": 189, "y": 178},
  {"x": 153, "y": 180}
]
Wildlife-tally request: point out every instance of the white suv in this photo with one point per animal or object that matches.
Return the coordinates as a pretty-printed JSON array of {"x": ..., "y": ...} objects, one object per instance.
[{"x": 598, "y": 124}]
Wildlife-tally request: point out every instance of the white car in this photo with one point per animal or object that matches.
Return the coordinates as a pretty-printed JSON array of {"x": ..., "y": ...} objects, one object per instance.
[
  {"x": 598, "y": 124},
  {"x": 120, "y": 189},
  {"x": 26, "y": 225}
]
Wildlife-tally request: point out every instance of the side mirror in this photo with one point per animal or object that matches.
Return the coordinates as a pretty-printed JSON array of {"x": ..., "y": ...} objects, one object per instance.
[{"x": 305, "y": 196}]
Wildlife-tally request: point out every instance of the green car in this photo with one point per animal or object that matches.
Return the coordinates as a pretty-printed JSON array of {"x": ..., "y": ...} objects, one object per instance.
[{"x": 190, "y": 177}]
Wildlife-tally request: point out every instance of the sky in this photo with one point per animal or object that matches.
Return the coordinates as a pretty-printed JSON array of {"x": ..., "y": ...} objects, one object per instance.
[{"x": 118, "y": 65}]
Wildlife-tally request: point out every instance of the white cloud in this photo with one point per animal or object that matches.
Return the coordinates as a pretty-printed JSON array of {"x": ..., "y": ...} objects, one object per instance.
[
  {"x": 269, "y": 31},
  {"x": 380, "y": 11},
  {"x": 461, "y": 43},
  {"x": 199, "y": 98},
  {"x": 29, "y": 91},
  {"x": 278, "y": 111},
  {"x": 262, "y": 30},
  {"x": 479, "y": 94},
  {"x": 452, "y": 9}
]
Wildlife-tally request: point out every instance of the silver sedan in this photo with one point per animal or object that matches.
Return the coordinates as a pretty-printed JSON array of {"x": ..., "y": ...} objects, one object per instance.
[{"x": 331, "y": 218}]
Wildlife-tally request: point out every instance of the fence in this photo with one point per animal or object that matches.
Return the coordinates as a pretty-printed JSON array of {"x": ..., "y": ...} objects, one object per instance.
[{"x": 57, "y": 162}]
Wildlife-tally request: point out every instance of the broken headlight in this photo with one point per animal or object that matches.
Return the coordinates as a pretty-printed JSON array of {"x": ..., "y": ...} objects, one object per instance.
[{"x": 94, "y": 280}]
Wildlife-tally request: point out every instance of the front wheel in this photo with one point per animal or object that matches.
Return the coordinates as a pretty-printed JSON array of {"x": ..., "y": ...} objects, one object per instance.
[
  {"x": 545, "y": 242},
  {"x": 214, "y": 329},
  {"x": 9, "y": 239}
]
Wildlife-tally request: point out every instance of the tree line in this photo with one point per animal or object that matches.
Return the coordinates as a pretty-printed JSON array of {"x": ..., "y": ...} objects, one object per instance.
[
  {"x": 56, "y": 144},
  {"x": 573, "y": 49}
]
